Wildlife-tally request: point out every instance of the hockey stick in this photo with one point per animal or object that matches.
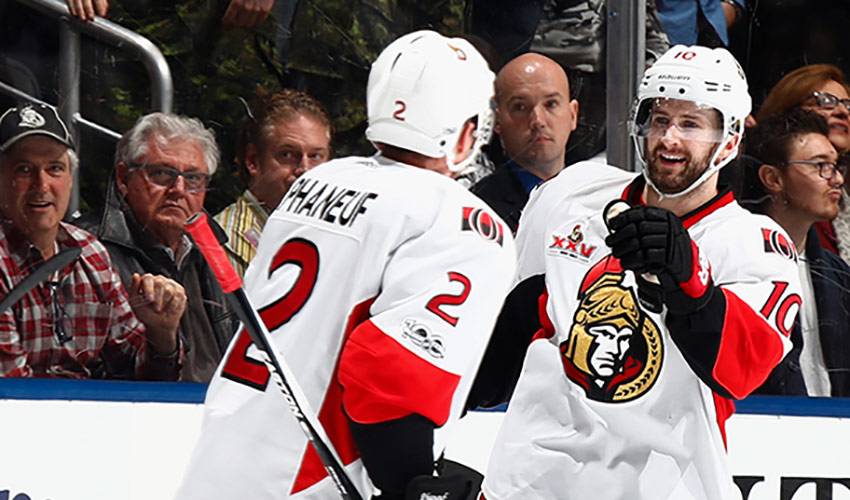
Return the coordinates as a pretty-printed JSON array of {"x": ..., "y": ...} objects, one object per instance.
[
  {"x": 230, "y": 282},
  {"x": 40, "y": 274}
]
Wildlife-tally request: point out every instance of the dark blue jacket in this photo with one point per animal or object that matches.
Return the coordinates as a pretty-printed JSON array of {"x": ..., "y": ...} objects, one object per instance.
[{"x": 831, "y": 283}]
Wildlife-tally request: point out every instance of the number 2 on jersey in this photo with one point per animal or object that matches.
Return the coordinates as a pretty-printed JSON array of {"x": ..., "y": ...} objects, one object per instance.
[
  {"x": 299, "y": 252},
  {"x": 446, "y": 299}
]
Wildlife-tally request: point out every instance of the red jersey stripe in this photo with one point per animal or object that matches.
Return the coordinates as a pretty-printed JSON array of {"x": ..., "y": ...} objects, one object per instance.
[
  {"x": 384, "y": 381},
  {"x": 749, "y": 348},
  {"x": 332, "y": 418}
]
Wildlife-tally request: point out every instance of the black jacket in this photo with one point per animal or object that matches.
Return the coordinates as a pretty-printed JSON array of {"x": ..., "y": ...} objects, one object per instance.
[
  {"x": 208, "y": 324},
  {"x": 503, "y": 191},
  {"x": 831, "y": 284}
]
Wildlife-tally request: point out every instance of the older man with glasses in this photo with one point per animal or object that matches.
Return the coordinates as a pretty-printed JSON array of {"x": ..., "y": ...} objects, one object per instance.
[
  {"x": 162, "y": 169},
  {"x": 78, "y": 322}
]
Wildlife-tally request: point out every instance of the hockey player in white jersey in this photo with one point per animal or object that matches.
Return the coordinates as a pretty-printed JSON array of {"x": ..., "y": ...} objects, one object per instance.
[
  {"x": 380, "y": 279},
  {"x": 652, "y": 324}
]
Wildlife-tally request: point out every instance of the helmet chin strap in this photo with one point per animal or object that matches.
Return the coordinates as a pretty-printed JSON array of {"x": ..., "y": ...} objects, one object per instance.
[{"x": 711, "y": 170}]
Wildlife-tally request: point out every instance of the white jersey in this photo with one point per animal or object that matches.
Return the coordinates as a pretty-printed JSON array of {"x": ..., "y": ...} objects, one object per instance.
[
  {"x": 618, "y": 402},
  {"x": 380, "y": 283}
]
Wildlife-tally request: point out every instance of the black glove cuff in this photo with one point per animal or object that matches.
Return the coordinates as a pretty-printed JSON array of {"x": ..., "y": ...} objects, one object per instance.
[
  {"x": 450, "y": 487},
  {"x": 679, "y": 302},
  {"x": 395, "y": 451}
]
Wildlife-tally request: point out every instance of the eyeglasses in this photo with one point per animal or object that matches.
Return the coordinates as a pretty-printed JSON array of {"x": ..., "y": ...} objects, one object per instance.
[
  {"x": 61, "y": 320},
  {"x": 826, "y": 169},
  {"x": 166, "y": 176},
  {"x": 826, "y": 100}
]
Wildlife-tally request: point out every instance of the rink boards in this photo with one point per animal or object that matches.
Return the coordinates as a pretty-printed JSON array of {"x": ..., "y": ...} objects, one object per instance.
[{"x": 67, "y": 440}]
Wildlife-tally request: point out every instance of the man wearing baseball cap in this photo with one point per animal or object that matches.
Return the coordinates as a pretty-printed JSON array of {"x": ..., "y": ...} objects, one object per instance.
[{"x": 80, "y": 322}]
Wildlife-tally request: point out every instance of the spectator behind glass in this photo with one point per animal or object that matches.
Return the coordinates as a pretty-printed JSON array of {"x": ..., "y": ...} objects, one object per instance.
[
  {"x": 572, "y": 33},
  {"x": 162, "y": 168},
  {"x": 80, "y": 323},
  {"x": 700, "y": 22},
  {"x": 534, "y": 119},
  {"x": 287, "y": 133},
  {"x": 824, "y": 89},
  {"x": 797, "y": 183}
]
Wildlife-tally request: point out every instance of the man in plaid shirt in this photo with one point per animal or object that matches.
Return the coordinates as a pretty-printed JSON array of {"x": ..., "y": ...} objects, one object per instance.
[{"x": 80, "y": 323}]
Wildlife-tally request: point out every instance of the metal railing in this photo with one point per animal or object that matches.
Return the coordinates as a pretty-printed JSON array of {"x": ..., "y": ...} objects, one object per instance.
[
  {"x": 626, "y": 40},
  {"x": 162, "y": 88}
]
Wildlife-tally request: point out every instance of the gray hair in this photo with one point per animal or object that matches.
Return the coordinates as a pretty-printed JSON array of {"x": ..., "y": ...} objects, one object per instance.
[
  {"x": 166, "y": 127},
  {"x": 73, "y": 159}
]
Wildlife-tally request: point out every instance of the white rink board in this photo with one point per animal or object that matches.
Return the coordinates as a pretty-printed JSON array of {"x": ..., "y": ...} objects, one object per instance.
[
  {"x": 759, "y": 445},
  {"x": 90, "y": 450},
  {"x": 94, "y": 450}
]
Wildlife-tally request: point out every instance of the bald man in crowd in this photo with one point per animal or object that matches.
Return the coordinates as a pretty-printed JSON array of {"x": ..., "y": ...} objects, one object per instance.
[{"x": 534, "y": 119}]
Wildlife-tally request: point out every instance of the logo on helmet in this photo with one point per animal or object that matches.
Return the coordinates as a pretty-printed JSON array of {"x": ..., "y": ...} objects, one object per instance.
[
  {"x": 614, "y": 350},
  {"x": 461, "y": 55}
]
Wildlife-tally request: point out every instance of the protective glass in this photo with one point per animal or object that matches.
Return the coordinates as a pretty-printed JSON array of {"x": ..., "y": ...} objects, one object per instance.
[
  {"x": 687, "y": 120},
  {"x": 166, "y": 176},
  {"x": 826, "y": 100}
]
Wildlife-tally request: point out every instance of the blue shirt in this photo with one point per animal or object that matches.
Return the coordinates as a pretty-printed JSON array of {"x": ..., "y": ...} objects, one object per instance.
[
  {"x": 528, "y": 180},
  {"x": 679, "y": 18}
]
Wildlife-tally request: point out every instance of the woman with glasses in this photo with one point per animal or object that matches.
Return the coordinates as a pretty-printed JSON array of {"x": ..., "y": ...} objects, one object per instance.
[
  {"x": 817, "y": 87},
  {"x": 821, "y": 88},
  {"x": 799, "y": 183}
]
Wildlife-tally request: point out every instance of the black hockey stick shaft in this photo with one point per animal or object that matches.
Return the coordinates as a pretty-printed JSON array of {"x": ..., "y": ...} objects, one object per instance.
[
  {"x": 198, "y": 227},
  {"x": 40, "y": 274}
]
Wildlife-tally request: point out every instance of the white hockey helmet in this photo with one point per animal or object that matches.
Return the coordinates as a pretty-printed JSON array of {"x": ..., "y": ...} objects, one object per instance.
[
  {"x": 710, "y": 78},
  {"x": 422, "y": 89}
]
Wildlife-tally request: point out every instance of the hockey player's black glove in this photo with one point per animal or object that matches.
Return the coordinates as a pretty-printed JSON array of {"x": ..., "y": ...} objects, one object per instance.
[{"x": 653, "y": 240}]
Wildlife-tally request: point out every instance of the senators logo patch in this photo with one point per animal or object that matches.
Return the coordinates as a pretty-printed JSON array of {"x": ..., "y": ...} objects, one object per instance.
[
  {"x": 572, "y": 245},
  {"x": 776, "y": 242},
  {"x": 614, "y": 350},
  {"x": 481, "y": 222}
]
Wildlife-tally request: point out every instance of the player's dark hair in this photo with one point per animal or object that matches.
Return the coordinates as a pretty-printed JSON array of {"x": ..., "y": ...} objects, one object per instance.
[{"x": 769, "y": 143}]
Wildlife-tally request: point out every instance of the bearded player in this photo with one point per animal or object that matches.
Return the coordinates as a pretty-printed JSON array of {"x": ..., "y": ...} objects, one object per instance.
[
  {"x": 379, "y": 279},
  {"x": 682, "y": 280}
]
